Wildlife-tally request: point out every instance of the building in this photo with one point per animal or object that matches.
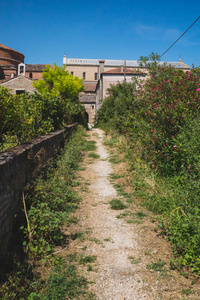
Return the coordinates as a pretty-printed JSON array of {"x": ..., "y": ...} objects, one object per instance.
[{"x": 98, "y": 75}]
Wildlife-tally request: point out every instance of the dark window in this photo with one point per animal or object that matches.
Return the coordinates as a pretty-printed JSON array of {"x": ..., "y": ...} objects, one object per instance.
[
  {"x": 18, "y": 92},
  {"x": 95, "y": 76},
  {"x": 21, "y": 69},
  {"x": 72, "y": 73},
  {"x": 31, "y": 75},
  {"x": 92, "y": 106},
  {"x": 84, "y": 75}
]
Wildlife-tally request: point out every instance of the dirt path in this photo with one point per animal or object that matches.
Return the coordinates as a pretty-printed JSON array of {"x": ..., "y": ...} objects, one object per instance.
[{"x": 123, "y": 249}]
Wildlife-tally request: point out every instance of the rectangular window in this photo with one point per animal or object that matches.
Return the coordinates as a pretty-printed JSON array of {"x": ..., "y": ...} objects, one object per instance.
[
  {"x": 95, "y": 76},
  {"x": 72, "y": 73},
  {"x": 18, "y": 92},
  {"x": 84, "y": 75}
]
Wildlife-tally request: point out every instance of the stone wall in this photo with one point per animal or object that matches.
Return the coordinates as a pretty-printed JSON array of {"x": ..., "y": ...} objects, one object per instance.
[{"x": 18, "y": 166}]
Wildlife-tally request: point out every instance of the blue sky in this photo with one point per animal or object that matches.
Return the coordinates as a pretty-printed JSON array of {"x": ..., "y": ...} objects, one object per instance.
[{"x": 46, "y": 30}]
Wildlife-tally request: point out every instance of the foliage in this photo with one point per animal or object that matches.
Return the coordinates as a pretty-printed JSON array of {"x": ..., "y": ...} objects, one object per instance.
[
  {"x": 49, "y": 203},
  {"x": 56, "y": 104},
  {"x": 57, "y": 82},
  {"x": 161, "y": 127}
]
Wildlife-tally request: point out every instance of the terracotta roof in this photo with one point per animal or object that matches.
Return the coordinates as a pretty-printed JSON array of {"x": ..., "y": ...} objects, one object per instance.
[
  {"x": 122, "y": 71},
  {"x": 7, "y": 48},
  {"x": 36, "y": 67},
  {"x": 90, "y": 86}
]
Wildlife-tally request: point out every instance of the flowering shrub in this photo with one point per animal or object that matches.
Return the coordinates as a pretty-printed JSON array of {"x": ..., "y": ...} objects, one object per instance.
[{"x": 163, "y": 118}]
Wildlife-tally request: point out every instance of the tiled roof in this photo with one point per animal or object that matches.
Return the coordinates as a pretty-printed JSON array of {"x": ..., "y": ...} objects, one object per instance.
[
  {"x": 118, "y": 63},
  {"x": 36, "y": 67},
  {"x": 89, "y": 86},
  {"x": 120, "y": 71},
  {"x": 7, "y": 48}
]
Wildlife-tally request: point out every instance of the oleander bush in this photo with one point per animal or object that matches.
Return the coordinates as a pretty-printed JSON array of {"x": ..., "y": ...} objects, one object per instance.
[{"x": 160, "y": 121}]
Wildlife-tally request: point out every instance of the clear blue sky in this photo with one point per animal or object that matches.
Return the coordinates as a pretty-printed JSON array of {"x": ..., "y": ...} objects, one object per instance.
[{"x": 46, "y": 30}]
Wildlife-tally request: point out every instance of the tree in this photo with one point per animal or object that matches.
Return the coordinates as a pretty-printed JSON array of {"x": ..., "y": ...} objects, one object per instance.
[{"x": 60, "y": 84}]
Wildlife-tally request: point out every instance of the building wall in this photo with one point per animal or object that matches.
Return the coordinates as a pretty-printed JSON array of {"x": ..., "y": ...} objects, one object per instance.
[
  {"x": 89, "y": 70},
  {"x": 18, "y": 166},
  {"x": 9, "y": 56},
  {"x": 19, "y": 83},
  {"x": 114, "y": 79},
  {"x": 35, "y": 75}
]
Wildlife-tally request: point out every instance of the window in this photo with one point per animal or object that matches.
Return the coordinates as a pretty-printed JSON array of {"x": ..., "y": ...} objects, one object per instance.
[
  {"x": 95, "y": 76},
  {"x": 31, "y": 75},
  {"x": 72, "y": 73},
  {"x": 18, "y": 92},
  {"x": 21, "y": 69},
  {"x": 84, "y": 75},
  {"x": 92, "y": 106}
]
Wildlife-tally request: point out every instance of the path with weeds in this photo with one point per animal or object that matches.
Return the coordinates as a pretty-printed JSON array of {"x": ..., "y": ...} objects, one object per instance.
[{"x": 132, "y": 260}]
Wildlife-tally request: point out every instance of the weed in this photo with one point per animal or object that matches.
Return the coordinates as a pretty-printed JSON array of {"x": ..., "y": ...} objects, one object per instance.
[
  {"x": 107, "y": 240},
  {"x": 97, "y": 241},
  {"x": 158, "y": 267},
  {"x": 117, "y": 204},
  {"x": 134, "y": 260},
  {"x": 117, "y": 176},
  {"x": 187, "y": 291},
  {"x": 93, "y": 155},
  {"x": 87, "y": 259}
]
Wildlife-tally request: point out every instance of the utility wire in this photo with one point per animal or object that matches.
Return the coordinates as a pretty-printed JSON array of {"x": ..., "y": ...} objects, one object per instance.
[{"x": 180, "y": 37}]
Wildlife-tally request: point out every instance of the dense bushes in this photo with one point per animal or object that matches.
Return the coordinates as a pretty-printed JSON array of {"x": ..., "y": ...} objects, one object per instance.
[
  {"x": 161, "y": 124},
  {"x": 55, "y": 105}
]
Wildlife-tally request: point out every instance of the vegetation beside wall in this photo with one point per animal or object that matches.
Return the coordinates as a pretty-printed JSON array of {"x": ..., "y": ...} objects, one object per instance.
[
  {"x": 54, "y": 105},
  {"x": 160, "y": 121},
  {"x": 41, "y": 273}
]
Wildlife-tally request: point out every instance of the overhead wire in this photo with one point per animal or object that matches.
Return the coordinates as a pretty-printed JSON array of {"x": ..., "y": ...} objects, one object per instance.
[{"x": 179, "y": 37}]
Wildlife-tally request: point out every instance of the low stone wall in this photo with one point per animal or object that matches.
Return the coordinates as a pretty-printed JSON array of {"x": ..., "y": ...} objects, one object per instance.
[{"x": 18, "y": 166}]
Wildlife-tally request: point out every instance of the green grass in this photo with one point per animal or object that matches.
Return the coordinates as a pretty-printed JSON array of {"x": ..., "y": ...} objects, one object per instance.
[
  {"x": 93, "y": 155},
  {"x": 134, "y": 260},
  {"x": 117, "y": 204},
  {"x": 87, "y": 259},
  {"x": 51, "y": 201}
]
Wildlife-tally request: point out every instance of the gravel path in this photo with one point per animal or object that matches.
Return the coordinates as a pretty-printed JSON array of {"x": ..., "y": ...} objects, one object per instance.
[
  {"x": 113, "y": 241},
  {"x": 116, "y": 277}
]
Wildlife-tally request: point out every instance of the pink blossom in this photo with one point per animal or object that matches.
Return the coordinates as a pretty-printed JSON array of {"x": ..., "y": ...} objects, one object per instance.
[
  {"x": 145, "y": 113},
  {"x": 188, "y": 102},
  {"x": 152, "y": 130},
  {"x": 157, "y": 107},
  {"x": 168, "y": 80},
  {"x": 165, "y": 154},
  {"x": 175, "y": 146},
  {"x": 151, "y": 97},
  {"x": 199, "y": 83},
  {"x": 167, "y": 157},
  {"x": 174, "y": 106},
  {"x": 198, "y": 90},
  {"x": 154, "y": 103}
]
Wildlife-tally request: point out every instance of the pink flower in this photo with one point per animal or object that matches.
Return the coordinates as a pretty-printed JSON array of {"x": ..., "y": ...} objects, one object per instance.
[
  {"x": 174, "y": 106},
  {"x": 152, "y": 130},
  {"x": 157, "y": 107},
  {"x": 199, "y": 83},
  {"x": 154, "y": 103},
  {"x": 168, "y": 80},
  {"x": 175, "y": 146},
  {"x": 151, "y": 97},
  {"x": 198, "y": 90},
  {"x": 145, "y": 114},
  {"x": 188, "y": 102},
  {"x": 165, "y": 154},
  {"x": 167, "y": 157}
]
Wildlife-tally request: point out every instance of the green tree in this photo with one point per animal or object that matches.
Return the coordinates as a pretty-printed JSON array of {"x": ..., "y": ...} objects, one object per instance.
[{"x": 58, "y": 83}]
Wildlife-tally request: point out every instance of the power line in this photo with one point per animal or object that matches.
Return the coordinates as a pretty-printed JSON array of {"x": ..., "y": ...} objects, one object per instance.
[{"x": 180, "y": 37}]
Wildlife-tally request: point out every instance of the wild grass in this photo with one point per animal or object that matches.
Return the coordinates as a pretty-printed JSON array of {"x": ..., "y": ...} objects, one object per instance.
[
  {"x": 50, "y": 201},
  {"x": 117, "y": 204}
]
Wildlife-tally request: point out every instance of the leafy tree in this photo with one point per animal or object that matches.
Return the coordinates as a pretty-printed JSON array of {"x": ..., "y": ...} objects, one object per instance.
[{"x": 59, "y": 83}]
